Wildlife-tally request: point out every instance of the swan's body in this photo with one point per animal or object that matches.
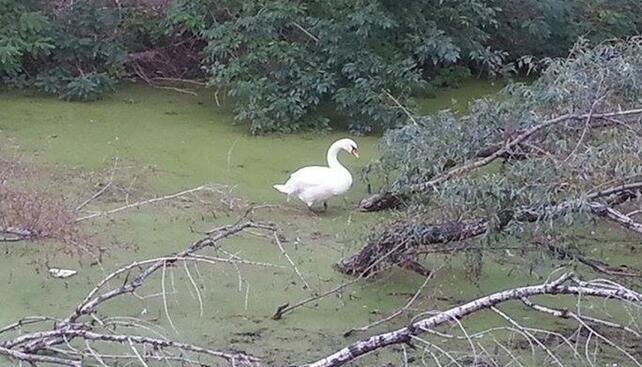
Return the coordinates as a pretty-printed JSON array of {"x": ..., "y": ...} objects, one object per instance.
[{"x": 316, "y": 183}]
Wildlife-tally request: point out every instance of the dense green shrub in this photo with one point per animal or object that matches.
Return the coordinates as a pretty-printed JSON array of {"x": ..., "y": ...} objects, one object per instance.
[
  {"x": 548, "y": 28},
  {"x": 282, "y": 59},
  {"x": 75, "y": 52},
  {"x": 25, "y": 35}
]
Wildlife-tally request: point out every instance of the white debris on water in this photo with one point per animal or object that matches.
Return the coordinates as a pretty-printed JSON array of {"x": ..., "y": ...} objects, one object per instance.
[{"x": 62, "y": 273}]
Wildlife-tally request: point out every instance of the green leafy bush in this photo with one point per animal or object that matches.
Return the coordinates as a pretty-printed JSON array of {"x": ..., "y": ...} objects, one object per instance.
[
  {"x": 281, "y": 59},
  {"x": 25, "y": 35},
  {"x": 548, "y": 28},
  {"x": 287, "y": 63},
  {"x": 75, "y": 53}
]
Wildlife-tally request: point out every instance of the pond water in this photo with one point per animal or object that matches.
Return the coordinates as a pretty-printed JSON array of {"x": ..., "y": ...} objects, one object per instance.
[{"x": 166, "y": 142}]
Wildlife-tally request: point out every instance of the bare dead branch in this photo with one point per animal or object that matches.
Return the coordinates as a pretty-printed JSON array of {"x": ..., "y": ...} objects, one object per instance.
[
  {"x": 567, "y": 284},
  {"x": 401, "y": 106},
  {"x": 103, "y": 189},
  {"x": 617, "y": 217},
  {"x": 138, "y": 204},
  {"x": 306, "y": 32},
  {"x": 595, "y": 264},
  {"x": 285, "y": 254},
  {"x": 85, "y": 324},
  {"x": 413, "y": 236}
]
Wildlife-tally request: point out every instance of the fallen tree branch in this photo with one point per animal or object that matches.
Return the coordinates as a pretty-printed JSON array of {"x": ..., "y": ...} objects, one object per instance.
[
  {"x": 390, "y": 199},
  {"x": 565, "y": 285},
  {"x": 617, "y": 217},
  {"x": 12, "y": 234},
  {"x": 145, "y": 202},
  {"x": 410, "y": 236},
  {"x": 85, "y": 323},
  {"x": 595, "y": 264}
]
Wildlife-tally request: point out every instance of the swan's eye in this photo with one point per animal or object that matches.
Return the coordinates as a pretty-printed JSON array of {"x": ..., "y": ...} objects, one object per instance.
[{"x": 354, "y": 151}]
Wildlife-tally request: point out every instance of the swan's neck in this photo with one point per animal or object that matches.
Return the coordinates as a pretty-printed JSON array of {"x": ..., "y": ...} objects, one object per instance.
[{"x": 333, "y": 162}]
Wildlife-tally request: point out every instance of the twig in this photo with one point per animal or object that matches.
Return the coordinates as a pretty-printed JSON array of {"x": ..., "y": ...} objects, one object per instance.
[
  {"x": 565, "y": 314},
  {"x": 145, "y": 202},
  {"x": 164, "y": 293},
  {"x": 198, "y": 291},
  {"x": 296, "y": 270},
  {"x": 307, "y": 33},
  {"x": 403, "y": 108},
  {"x": 104, "y": 188},
  {"x": 594, "y": 264},
  {"x": 142, "y": 361},
  {"x": 528, "y": 334},
  {"x": 396, "y": 313},
  {"x": 586, "y": 127},
  {"x": 365, "y": 274}
]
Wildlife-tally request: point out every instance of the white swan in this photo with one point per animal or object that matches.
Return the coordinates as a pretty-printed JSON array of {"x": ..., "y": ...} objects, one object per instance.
[{"x": 315, "y": 183}]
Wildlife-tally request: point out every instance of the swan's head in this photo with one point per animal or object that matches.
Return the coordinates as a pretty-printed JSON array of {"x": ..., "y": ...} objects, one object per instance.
[{"x": 349, "y": 146}]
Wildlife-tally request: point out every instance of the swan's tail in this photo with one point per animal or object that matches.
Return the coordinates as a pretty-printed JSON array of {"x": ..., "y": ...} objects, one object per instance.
[{"x": 284, "y": 189}]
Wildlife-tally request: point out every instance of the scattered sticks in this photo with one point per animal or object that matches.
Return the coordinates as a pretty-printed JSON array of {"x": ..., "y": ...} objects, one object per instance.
[
  {"x": 86, "y": 324},
  {"x": 368, "y": 272},
  {"x": 394, "y": 314},
  {"x": 209, "y": 188},
  {"x": 103, "y": 189}
]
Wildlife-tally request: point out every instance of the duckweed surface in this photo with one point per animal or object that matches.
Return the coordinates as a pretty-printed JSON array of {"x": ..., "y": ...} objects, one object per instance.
[{"x": 167, "y": 142}]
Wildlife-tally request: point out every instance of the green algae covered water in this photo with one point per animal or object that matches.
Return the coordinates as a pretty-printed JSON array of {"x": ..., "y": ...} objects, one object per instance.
[{"x": 167, "y": 142}]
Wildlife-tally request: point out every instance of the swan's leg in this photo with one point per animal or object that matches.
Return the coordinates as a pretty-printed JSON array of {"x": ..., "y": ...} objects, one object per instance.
[
  {"x": 325, "y": 206},
  {"x": 312, "y": 211},
  {"x": 310, "y": 204}
]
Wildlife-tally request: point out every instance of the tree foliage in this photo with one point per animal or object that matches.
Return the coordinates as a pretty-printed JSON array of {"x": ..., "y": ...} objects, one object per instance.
[
  {"x": 567, "y": 142},
  {"x": 606, "y": 78},
  {"x": 292, "y": 66},
  {"x": 286, "y": 61},
  {"x": 24, "y": 33},
  {"x": 549, "y": 28},
  {"x": 76, "y": 51},
  {"x": 283, "y": 59}
]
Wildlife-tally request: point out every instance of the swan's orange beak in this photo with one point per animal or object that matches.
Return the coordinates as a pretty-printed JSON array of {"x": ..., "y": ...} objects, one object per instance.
[{"x": 355, "y": 152}]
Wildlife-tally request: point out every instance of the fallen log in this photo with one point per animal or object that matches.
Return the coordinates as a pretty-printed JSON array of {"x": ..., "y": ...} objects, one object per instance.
[{"x": 400, "y": 243}]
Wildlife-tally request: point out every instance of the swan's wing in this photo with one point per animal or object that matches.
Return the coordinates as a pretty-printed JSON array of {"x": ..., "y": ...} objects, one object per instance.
[
  {"x": 312, "y": 184},
  {"x": 309, "y": 176}
]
